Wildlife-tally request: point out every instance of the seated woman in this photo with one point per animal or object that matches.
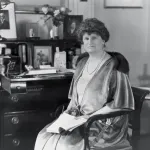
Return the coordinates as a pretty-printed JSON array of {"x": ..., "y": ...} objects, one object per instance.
[{"x": 100, "y": 85}]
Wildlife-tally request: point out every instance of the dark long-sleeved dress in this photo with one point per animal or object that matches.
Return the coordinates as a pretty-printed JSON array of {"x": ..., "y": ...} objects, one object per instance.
[{"x": 108, "y": 86}]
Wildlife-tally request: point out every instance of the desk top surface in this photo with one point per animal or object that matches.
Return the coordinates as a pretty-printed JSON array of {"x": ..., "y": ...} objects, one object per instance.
[{"x": 37, "y": 77}]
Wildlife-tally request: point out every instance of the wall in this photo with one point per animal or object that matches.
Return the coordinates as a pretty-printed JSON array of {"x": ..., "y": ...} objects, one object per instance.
[
  {"x": 85, "y": 8},
  {"x": 128, "y": 34},
  {"x": 37, "y": 2},
  {"x": 23, "y": 19}
]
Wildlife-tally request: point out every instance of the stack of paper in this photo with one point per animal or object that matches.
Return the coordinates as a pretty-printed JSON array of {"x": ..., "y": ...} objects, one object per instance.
[
  {"x": 67, "y": 122},
  {"x": 41, "y": 71}
]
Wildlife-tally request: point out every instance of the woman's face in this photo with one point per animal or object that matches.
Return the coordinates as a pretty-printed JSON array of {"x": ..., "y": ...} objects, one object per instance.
[
  {"x": 92, "y": 42},
  {"x": 73, "y": 25}
]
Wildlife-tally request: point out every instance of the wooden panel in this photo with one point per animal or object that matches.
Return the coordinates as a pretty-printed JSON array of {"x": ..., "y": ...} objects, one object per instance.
[
  {"x": 46, "y": 95},
  {"x": 19, "y": 142},
  {"x": 26, "y": 122}
]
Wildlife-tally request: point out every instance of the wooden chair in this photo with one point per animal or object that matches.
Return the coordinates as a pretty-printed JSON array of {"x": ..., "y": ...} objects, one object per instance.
[
  {"x": 134, "y": 121},
  {"x": 134, "y": 118}
]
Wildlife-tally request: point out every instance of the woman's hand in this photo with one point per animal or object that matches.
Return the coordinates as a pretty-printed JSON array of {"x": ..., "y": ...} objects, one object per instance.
[{"x": 63, "y": 131}]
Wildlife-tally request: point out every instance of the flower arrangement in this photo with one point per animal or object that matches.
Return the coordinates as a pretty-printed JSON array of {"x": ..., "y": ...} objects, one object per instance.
[{"x": 57, "y": 14}]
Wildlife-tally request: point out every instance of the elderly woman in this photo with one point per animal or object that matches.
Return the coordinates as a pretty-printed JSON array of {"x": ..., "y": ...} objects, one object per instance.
[{"x": 100, "y": 85}]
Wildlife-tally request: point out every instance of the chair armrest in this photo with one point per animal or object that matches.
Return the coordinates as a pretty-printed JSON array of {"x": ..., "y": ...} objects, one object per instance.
[
  {"x": 104, "y": 116},
  {"x": 99, "y": 117}
]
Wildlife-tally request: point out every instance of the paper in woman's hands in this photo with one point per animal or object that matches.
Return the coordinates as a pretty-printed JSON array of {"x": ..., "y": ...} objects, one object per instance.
[{"x": 66, "y": 122}]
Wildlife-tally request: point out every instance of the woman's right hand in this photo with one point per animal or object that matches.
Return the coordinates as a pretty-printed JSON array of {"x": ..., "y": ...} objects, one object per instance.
[{"x": 63, "y": 131}]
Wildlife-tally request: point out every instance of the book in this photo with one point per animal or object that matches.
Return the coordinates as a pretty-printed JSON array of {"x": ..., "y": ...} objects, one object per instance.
[
  {"x": 66, "y": 122},
  {"x": 12, "y": 65},
  {"x": 29, "y": 54},
  {"x": 41, "y": 71},
  {"x": 24, "y": 54},
  {"x": 63, "y": 70},
  {"x": 59, "y": 59}
]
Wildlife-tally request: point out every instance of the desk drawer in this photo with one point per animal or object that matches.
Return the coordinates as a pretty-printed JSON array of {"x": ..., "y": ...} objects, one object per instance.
[
  {"x": 30, "y": 101},
  {"x": 17, "y": 102},
  {"x": 46, "y": 100},
  {"x": 19, "y": 142},
  {"x": 24, "y": 122}
]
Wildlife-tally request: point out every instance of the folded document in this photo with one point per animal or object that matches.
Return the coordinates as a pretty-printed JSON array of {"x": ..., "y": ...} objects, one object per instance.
[{"x": 67, "y": 122}]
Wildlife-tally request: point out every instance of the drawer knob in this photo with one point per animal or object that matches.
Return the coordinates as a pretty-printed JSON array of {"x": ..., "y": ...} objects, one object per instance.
[
  {"x": 18, "y": 87},
  {"x": 16, "y": 142},
  {"x": 15, "y": 120},
  {"x": 14, "y": 99}
]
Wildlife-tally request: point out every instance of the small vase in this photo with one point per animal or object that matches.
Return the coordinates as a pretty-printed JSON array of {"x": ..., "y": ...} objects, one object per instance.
[
  {"x": 51, "y": 34},
  {"x": 55, "y": 32}
]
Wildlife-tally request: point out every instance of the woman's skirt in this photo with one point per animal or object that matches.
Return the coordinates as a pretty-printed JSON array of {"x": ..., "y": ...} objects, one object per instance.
[{"x": 49, "y": 141}]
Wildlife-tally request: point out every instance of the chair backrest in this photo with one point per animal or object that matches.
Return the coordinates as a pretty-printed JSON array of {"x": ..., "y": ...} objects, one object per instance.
[{"x": 134, "y": 122}]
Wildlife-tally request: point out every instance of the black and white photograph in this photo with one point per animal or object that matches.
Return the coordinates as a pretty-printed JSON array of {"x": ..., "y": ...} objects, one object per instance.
[
  {"x": 71, "y": 24},
  {"x": 4, "y": 19},
  {"x": 32, "y": 30},
  {"x": 8, "y": 22},
  {"x": 74, "y": 74},
  {"x": 42, "y": 55}
]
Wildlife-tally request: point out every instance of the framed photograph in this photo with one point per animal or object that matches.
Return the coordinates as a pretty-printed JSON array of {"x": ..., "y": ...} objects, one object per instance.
[
  {"x": 4, "y": 20},
  {"x": 71, "y": 24},
  {"x": 32, "y": 30},
  {"x": 42, "y": 56},
  {"x": 123, "y": 3},
  {"x": 8, "y": 22}
]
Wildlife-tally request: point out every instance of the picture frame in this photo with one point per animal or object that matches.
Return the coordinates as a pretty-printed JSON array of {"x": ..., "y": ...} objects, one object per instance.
[
  {"x": 32, "y": 30},
  {"x": 8, "y": 25},
  {"x": 71, "y": 24},
  {"x": 123, "y": 3},
  {"x": 42, "y": 56}
]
